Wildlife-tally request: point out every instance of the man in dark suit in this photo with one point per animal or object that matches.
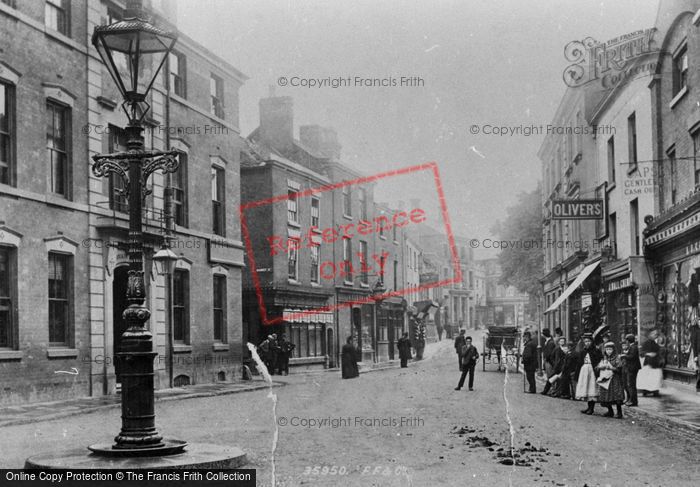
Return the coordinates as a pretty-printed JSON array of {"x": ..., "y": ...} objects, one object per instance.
[
  {"x": 404, "y": 346},
  {"x": 630, "y": 369},
  {"x": 459, "y": 344},
  {"x": 530, "y": 361},
  {"x": 470, "y": 355}
]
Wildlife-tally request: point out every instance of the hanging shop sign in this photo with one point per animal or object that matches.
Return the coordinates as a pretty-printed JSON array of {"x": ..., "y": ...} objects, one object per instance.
[
  {"x": 578, "y": 210},
  {"x": 586, "y": 300}
]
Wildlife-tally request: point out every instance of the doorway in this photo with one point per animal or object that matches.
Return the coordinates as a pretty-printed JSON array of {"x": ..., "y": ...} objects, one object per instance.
[
  {"x": 329, "y": 348},
  {"x": 119, "y": 304}
]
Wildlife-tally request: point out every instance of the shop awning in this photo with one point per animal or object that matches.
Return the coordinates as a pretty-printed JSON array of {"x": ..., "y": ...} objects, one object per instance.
[{"x": 574, "y": 285}]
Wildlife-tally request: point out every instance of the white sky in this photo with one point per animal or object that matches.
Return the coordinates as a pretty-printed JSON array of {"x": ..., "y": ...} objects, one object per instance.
[{"x": 483, "y": 62}]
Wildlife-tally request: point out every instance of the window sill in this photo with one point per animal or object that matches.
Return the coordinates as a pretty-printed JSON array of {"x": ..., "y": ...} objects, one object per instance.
[
  {"x": 347, "y": 217},
  {"x": 364, "y": 284},
  {"x": 347, "y": 283},
  {"x": 382, "y": 237},
  {"x": 315, "y": 284},
  {"x": 293, "y": 282},
  {"x": 62, "y": 353},
  {"x": 678, "y": 97},
  {"x": 220, "y": 347},
  {"x": 11, "y": 355},
  {"x": 293, "y": 224},
  {"x": 182, "y": 348}
]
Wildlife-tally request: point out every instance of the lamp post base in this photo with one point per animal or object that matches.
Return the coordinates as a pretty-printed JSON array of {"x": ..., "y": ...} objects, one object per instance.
[
  {"x": 195, "y": 455},
  {"x": 166, "y": 447}
]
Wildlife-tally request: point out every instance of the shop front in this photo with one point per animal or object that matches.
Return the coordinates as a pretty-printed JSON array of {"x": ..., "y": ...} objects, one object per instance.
[
  {"x": 673, "y": 239},
  {"x": 390, "y": 324},
  {"x": 628, "y": 305},
  {"x": 579, "y": 301},
  {"x": 312, "y": 335}
]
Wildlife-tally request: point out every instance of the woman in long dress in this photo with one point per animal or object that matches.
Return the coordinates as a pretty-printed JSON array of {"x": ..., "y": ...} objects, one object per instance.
[
  {"x": 651, "y": 377},
  {"x": 349, "y": 360},
  {"x": 586, "y": 386},
  {"x": 611, "y": 390}
]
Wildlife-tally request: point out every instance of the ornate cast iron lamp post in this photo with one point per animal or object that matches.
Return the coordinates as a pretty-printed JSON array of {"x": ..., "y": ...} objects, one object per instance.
[{"x": 134, "y": 51}]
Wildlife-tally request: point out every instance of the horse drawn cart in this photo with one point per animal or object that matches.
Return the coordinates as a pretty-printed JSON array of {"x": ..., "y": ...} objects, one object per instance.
[{"x": 503, "y": 340}]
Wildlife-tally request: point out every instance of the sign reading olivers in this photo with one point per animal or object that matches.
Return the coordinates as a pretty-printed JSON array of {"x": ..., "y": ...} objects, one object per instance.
[
  {"x": 617, "y": 60},
  {"x": 578, "y": 209}
]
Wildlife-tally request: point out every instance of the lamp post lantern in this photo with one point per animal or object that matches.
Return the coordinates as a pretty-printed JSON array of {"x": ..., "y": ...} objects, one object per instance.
[{"x": 134, "y": 51}]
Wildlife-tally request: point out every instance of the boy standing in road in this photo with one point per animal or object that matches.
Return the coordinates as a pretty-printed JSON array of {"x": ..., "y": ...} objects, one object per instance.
[{"x": 470, "y": 355}]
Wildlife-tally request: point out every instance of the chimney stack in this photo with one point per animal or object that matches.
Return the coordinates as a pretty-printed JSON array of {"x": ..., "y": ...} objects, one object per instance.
[
  {"x": 277, "y": 122},
  {"x": 322, "y": 140}
]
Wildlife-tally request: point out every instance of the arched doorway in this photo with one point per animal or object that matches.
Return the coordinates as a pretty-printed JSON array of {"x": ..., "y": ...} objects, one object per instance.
[{"x": 119, "y": 304}]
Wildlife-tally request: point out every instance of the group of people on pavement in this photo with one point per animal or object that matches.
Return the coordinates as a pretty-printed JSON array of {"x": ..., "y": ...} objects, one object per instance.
[
  {"x": 591, "y": 373},
  {"x": 275, "y": 353}
]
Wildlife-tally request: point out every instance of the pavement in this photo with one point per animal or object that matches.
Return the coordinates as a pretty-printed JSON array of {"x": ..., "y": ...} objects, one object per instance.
[{"x": 677, "y": 405}]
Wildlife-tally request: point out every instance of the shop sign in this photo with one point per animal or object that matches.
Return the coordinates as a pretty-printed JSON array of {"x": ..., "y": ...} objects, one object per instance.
[
  {"x": 619, "y": 284},
  {"x": 586, "y": 300},
  {"x": 578, "y": 209}
]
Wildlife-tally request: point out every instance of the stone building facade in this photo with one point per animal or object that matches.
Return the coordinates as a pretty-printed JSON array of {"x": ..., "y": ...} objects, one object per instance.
[{"x": 63, "y": 229}]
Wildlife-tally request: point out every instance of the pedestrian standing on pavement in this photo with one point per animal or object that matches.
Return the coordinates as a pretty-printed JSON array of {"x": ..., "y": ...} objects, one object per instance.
[
  {"x": 273, "y": 354},
  {"x": 530, "y": 361},
  {"x": 586, "y": 386},
  {"x": 557, "y": 366},
  {"x": 695, "y": 348},
  {"x": 470, "y": 355},
  {"x": 348, "y": 356},
  {"x": 285, "y": 352},
  {"x": 264, "y": 352},
  {"x": 650, "y": 378},
  {"x": 630, "y": 368},
  {"x": 611, "y": 389},
  {"x": 404, "y": 346},
  {"x": 548, "y": 354},
  {"x": 459, "y": 343},
  {"x": 567, "y": 368}
]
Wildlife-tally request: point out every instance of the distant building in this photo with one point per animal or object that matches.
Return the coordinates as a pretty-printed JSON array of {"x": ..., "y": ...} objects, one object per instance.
[{"x": 280, "y": 164}]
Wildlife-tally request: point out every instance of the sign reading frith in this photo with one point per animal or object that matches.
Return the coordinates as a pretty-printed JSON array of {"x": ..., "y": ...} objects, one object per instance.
[{"x": 577, "y": 210}]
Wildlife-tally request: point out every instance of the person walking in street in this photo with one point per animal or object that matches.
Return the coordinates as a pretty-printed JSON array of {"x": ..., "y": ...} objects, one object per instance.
[
  {"x": 470, "y": 355},
  {"x": 650, "y": 378},
  {"x": 285, "y": 352},
  {"x": 530, "y": 361},
  {"x": 459, "y": 343},
  {"x": 586, "y": 385},
  {"x": 630, "y": 369},
  {"x": 610, "y": 381},
  {"x": 404, "y": 346},
  {"x": 348, "y": 357}
]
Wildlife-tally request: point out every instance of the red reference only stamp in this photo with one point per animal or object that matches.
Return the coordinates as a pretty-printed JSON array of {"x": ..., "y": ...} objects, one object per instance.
[{"x": 329, "y": 238}]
